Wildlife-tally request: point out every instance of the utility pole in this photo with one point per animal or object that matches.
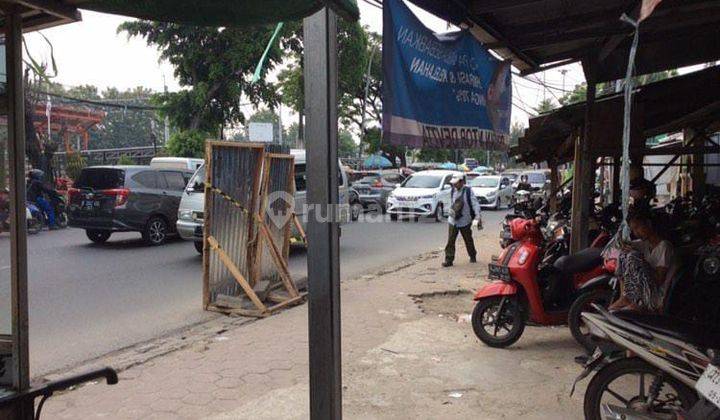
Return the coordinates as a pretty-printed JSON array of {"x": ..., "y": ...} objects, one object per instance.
[
  {"x": 563, "y": 72},
  {"x": 167, "y": 119},
  {"x": 280, "y": 126}
]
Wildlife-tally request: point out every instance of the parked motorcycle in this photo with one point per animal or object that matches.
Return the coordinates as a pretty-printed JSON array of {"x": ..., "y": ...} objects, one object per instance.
[
  {"x": 35, "y": 218},
  {"x": 527, "y": 284},
  {"x": 57, "y": 201},
  {"x": 647, "y": 363}
]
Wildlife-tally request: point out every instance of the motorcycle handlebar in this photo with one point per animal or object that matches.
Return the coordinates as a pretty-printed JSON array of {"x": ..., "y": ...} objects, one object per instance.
[{"x": 51, "y": 387}]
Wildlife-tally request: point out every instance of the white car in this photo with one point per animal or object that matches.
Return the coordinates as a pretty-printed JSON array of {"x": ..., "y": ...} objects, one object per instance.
[
  {"x": 422, "y": 194},
  {"x": 492, "y": 190}
]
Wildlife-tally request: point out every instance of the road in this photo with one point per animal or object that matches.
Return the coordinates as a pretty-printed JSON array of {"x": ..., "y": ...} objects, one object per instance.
[{"x": 87, "y": 300}]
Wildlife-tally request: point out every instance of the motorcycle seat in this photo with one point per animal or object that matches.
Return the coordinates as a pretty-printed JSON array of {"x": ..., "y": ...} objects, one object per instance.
[
  {"x": 703, "y": 336},
  {"x": 581, "y": 261}
]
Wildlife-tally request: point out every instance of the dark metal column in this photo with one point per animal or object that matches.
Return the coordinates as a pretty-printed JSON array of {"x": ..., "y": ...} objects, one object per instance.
[
  {"x": 18, "y": 234},
  {"x": 320, "y": 62}
]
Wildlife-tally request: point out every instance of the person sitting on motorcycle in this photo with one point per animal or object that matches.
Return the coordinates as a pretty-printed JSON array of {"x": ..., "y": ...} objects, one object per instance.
[
  {"x": 645, "y": 266},
  {"x": 36, "y": 190},
  {"x": 523, "y": 185}
]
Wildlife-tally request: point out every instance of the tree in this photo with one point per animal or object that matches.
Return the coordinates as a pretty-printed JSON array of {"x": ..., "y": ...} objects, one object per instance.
[
  {"x": 517, "y": 130},
  {"x": 352, "y": 64},
  {"x": 346, "y": 144},
  {"x": 188, "y": 143},
  {"x": 215, "y": 65},
  {"x": 391, "y": 152},
  {"x": 545, "y": 106}
]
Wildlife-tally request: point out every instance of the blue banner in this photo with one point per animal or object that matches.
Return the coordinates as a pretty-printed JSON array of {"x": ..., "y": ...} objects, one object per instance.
[{"x": 441, "y": 90}]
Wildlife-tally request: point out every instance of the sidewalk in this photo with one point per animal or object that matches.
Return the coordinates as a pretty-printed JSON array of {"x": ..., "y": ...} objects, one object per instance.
[{"x": 408, "y": 352}]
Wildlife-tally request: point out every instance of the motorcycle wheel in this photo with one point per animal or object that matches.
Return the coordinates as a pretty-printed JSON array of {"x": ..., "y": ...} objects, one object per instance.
[
  {"x": 644, "y": 376},
  {"x": 583, "y": 304},
  {"x": 61, "y": 220},
  {"x": 34, "y": 226},
  {"x": 488, "y": 324}
]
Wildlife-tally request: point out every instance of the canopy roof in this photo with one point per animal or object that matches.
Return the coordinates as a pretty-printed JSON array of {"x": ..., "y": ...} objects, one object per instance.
[
  {"x": 539, "y": 33},
  {"x": 219, "y": 12},
  {"x": 42, "y": 14},
  {"x": 662, "y": 107}
]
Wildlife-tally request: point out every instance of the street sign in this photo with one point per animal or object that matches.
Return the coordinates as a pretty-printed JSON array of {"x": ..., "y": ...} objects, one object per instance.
[{"x": 260, "y": 132}]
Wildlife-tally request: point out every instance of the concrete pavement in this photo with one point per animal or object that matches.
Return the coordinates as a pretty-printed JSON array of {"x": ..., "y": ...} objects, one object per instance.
[
  {"x": 408, "y": 352},
  {"x": 87, "y": 300}
]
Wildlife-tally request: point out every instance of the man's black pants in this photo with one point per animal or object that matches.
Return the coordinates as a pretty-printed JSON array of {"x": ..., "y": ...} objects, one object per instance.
[{"x": 466, "y": 232}]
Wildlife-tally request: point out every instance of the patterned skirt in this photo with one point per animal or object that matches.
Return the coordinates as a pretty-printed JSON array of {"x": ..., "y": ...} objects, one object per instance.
[{"x": 638, "y": 279}]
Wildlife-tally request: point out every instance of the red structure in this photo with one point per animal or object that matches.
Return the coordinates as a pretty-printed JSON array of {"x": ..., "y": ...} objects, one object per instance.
[{"x": 67, "y": 121}]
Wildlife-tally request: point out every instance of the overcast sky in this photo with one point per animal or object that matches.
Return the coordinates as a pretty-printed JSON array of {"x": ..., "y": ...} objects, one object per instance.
[{"x": 92, "y": 52}]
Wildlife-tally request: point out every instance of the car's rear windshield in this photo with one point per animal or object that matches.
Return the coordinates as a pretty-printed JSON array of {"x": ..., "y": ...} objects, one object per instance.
[
  {"x": 101, "y": 178},
  {"x": 536, "y": 178},
  {"x": 369, "y": 179},
  {"x": 484, "y": 182},
  {"x": 423, "y": 181}
]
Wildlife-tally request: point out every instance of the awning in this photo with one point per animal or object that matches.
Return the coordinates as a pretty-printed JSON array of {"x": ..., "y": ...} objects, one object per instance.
[
  {"x": 662, "y": 107},
  {"x": 219, "y": 12},
  {"x": 544, "y": 33}
]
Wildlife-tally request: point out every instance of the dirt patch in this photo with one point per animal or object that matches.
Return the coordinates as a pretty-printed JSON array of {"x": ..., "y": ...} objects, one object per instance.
[{"x": 452, "y": 304}]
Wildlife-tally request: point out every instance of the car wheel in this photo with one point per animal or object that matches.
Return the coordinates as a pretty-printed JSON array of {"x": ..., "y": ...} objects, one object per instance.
[
  {"x": 156, "y": 231},
  {"x": 439, "y": 212},
  {"x": 98, "y": 236},
  {"x": 61, "y": 220},
  {"x": 199, "y": 246},
  {"x": 393, "y": 217}
]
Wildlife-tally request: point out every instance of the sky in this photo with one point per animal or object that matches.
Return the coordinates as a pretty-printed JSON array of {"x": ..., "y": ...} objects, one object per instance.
[{"x": 92, "y": 52}]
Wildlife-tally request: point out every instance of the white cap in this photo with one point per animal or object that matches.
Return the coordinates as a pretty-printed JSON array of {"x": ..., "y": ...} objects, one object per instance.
[{"x": 457, "y": 178}]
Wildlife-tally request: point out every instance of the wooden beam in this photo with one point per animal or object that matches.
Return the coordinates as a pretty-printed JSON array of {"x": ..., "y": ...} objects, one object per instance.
[
  {"x": 239, "y": 278},
  {"x": 488, "y": 6},
  {"x": 54, "y": 8}
]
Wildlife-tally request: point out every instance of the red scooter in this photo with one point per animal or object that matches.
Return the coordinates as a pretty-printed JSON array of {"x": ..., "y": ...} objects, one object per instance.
[{"x": 532, "y": 283}]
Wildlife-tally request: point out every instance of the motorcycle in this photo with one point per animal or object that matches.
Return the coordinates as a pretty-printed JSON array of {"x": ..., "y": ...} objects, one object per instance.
[
  {"x": 59, "y": 206},
  {"x": 35, "y": 218},
  {"x": 649, "y": 363},
  {"x": 528, "y": 285}
]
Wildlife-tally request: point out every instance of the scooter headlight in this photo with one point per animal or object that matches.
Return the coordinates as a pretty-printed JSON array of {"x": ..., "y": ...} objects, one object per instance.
[{"x": 711, "y": 265}]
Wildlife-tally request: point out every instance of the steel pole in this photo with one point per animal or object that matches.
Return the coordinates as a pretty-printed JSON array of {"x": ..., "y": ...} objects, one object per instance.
[
  {"x": 18, "y": 232},
  {"x": 323, "y": 232}
]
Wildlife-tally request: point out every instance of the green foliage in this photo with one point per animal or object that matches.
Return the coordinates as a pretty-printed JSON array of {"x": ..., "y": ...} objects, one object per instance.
[
  {"x": 125, "y": 160},
  {"x": 346, "y": 144},
  {"x": 517, "y": 130},
  {"x": 75, "y": 164},
  {"x": 435, "y": 155},
  {"x": 216, "y": 67},
  {"x": 374, "y": 144},
  {"x": 188, "y": 143},
  {"x": 579, "y": 93},
  {"x": 545, "y": 106}
]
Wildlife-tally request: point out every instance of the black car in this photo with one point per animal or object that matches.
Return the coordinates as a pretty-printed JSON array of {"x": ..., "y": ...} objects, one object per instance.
[{"x": 107, "y": 199}]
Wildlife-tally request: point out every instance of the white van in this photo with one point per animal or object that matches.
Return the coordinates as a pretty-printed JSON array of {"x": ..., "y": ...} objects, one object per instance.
[
  {"x": 192, "y": 205},
  {"x": 186, "y": 164}
]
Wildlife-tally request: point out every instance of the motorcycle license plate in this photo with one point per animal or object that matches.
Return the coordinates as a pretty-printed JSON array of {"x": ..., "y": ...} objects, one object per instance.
[
  {"x": 498, "y": 272},
  {"x": 709, "y": 385},
  {"x": 90, "y": 204}
]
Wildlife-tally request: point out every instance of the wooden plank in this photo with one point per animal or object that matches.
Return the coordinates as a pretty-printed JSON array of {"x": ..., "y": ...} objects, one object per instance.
[
  {"x": 288, "y": 302},
  {"x": 230, "y": 265},
  {"x": 54, "y": 8},
  {"x": 243, "y": 312},
  {"x": 288, "y": 225},
  {"x": 247, "y": 145},
  {"x": 206, "y": 224},
  {"x": 279, "y": 261}
]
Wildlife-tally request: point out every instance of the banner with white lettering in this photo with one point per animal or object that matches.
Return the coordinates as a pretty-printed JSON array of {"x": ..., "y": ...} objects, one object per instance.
[{"x": 441, "y": 90}]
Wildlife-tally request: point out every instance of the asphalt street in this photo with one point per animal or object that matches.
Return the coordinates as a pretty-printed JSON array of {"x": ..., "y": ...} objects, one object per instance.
[{"x": 87, "y": 300}]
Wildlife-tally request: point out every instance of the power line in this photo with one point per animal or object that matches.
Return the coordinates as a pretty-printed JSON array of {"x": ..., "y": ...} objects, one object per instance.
[{"x": 373, "y": 4}]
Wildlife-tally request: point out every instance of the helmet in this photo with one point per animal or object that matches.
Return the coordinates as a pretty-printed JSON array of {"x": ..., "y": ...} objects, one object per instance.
[{"x": 36, "y": 174}]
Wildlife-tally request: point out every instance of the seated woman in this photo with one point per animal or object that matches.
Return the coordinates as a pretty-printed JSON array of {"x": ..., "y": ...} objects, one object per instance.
[{"x": 645, "y": 267}]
